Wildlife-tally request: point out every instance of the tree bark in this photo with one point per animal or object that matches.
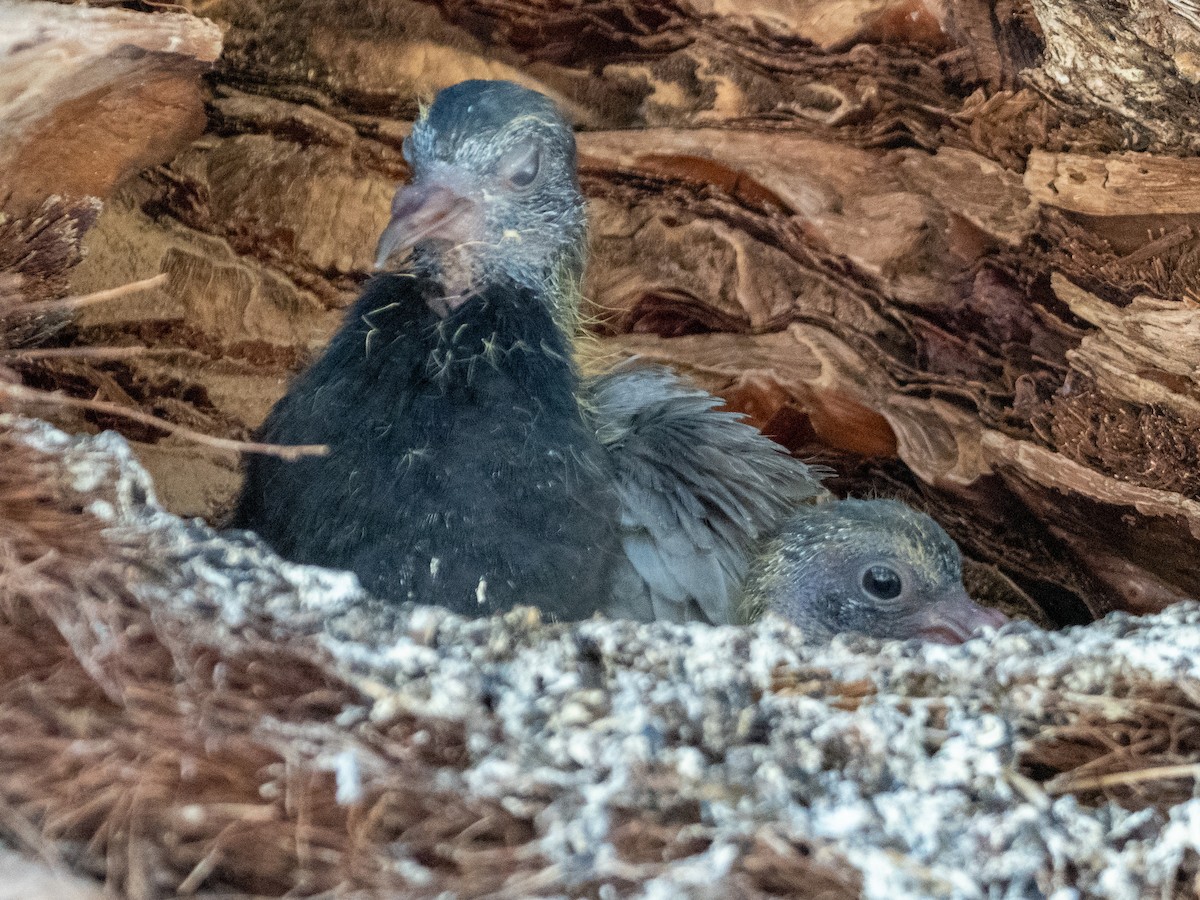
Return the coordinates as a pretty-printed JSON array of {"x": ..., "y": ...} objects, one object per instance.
[
  {"x": 90, "y": 97},
  {"x": 950, "y": 247}
]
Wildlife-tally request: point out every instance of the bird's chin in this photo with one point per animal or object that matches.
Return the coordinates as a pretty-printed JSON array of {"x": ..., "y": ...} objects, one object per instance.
[
  {"x": 942, "y": 634},
  {"x": 957, "y": 619},
  {"x": 454, "y": 269},
  {"x": 445, "y": 304}
]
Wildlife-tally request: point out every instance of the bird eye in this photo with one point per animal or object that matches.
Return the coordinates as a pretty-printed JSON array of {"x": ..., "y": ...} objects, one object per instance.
[
  {"x": 520, "y": 166},
  {"x": 882, "y": 582}
]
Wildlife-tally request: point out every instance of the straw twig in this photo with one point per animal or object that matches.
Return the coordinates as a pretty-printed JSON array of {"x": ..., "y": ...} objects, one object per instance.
[
  {"x": 23, "y": 394},
  {"x": 97, "y": 353},
  {"x": 1068, "y": 783},
  {"x": 65, "y": 304}
]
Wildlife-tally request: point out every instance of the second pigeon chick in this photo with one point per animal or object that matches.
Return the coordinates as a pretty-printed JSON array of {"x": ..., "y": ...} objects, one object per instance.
[{"x": 875, "y": 567}]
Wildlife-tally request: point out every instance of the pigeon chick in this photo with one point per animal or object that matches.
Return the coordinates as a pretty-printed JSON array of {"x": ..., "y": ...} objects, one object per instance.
[
  {"x": 461, "y": 471},
  {"x": 470, "y": 466},
  {"x": 876, "y": 567}
]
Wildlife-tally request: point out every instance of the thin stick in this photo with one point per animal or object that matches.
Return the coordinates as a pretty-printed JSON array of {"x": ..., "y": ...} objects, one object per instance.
[
  {"x": 90, "y": 352},
  {"x": 290, "y": 453},
  {"x": 1028, "y": 788},
  {"x": 68, "y": 303},
  {"x": 1065, "y": 783}
]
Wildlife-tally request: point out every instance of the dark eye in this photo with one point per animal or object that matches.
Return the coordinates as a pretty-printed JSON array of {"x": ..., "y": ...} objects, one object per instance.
[
  {"x": 520, "y": 165},
  {"x": 882, "y": 582}
]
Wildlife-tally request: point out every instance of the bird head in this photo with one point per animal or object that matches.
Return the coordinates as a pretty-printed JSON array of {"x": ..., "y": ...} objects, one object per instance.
[
  {"x": 876, "y": 567},
  {"x": 494, "y": 194}
]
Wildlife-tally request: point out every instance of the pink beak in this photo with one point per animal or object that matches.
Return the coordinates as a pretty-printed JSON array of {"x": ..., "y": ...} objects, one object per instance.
[
  {"x": 953, "y": 620},
  {"x": 425, "y": 210}
]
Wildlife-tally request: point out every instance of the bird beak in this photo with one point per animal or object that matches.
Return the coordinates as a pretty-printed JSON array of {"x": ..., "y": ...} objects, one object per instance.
[
  {"x": 957, "y": 617},
  {"x": 425, "y": 210}
]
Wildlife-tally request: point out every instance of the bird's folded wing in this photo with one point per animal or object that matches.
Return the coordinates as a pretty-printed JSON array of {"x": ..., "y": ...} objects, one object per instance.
[{"x": 697, "y": 488}]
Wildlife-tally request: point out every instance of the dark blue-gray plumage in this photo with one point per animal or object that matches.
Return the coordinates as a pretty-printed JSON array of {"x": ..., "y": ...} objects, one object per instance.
[
  {"x": 470, "y": 466},
  {"x": 875, "y": 567}
]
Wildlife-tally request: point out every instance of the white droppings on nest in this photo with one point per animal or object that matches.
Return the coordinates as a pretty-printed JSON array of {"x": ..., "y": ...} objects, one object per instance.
[
  {"x": 412, "y": 658},
  {"x": 694, "y": 874},
  {"x": 349, "y": 778},
  {"x": 101, "y": 464},
  {"x": 900, "y": 759},
  {"x": 102, "y": 509},
  {"x": 1177, "y": 839},
  {"x": 193, "y": 814}
]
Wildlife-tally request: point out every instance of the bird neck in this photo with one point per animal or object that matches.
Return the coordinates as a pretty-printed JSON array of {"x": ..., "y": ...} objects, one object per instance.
[
  {"x": 565, "y": 286},
  {"x": 505, "y": 329},
  {"x": 457, "y": 274},
  {"x": 504, "y": 332}
]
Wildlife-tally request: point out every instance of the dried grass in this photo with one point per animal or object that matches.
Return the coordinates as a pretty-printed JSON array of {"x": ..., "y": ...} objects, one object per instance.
[
  {"x": 28, "y": 321},
  {"x": 1138, "y": 746},
  {"x": 141, "y": 753},
  {"x": 167, "y": 759}
]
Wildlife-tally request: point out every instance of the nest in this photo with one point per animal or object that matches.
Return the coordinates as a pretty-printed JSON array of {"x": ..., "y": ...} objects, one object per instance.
[{"x": 187, "y": 714}]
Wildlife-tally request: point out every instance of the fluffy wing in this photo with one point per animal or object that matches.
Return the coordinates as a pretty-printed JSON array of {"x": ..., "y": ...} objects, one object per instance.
[{"x": 697, "y": 489}]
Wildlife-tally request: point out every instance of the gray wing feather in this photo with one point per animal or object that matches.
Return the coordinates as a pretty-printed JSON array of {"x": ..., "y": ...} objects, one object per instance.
[{"x": 698, "y": 488}]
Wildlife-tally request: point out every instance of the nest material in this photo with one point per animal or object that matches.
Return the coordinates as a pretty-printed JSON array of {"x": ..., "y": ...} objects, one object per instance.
[{"x": 185, "y": 713}]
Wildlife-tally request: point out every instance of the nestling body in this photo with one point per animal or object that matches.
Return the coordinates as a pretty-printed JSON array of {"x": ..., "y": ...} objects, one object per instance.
[{"x": 429, "y": 494}]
